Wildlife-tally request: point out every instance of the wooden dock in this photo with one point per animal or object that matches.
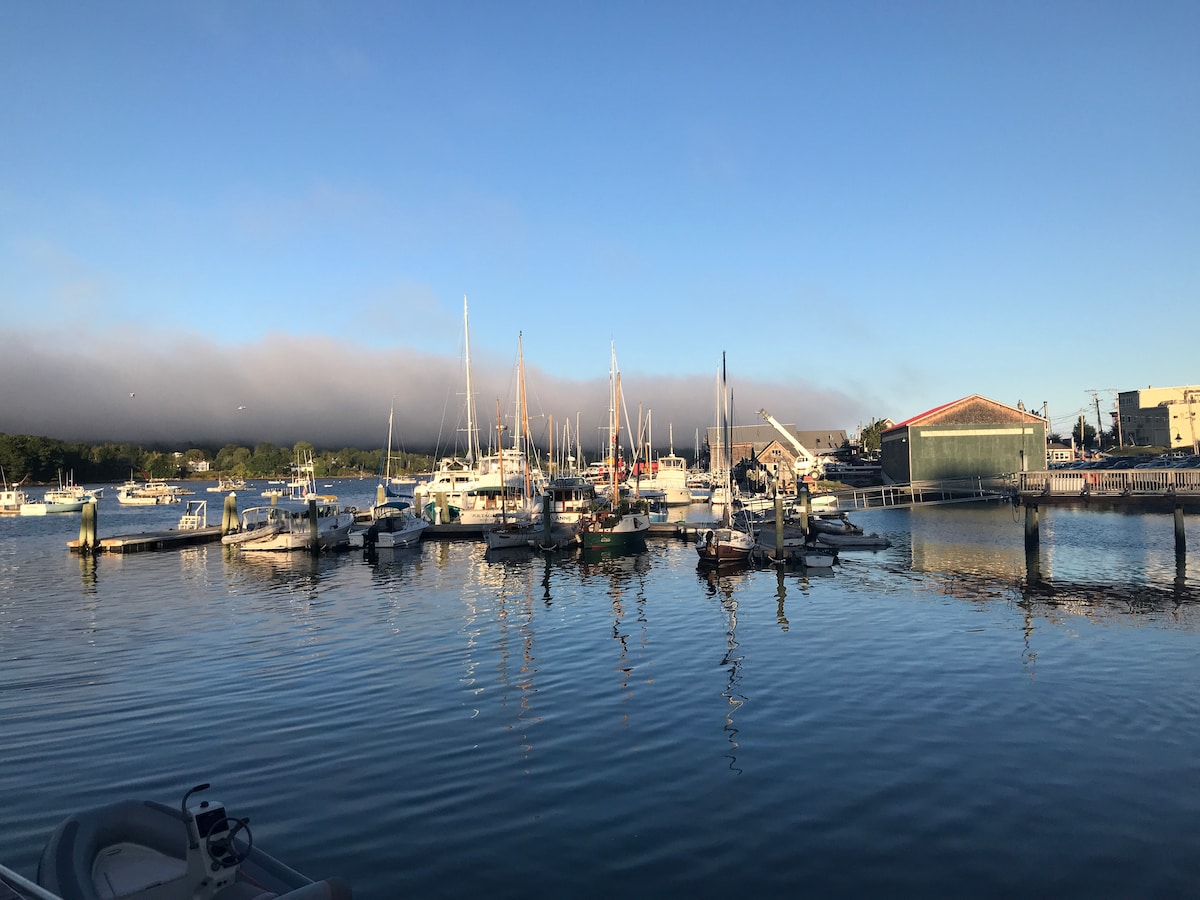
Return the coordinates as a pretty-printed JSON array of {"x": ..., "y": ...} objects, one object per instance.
[
  {"x": 149, "y": 540},
  {"x": 175, "y": 539},
  {"x": 681, "y": 529}
]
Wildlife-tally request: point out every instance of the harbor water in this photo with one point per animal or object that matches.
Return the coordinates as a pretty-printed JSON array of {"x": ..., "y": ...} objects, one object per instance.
[{"x": 925, "y": 720}]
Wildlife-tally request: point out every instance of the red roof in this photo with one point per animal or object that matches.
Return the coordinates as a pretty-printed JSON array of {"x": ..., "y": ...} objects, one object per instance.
[{"x": 929, "y": 412}]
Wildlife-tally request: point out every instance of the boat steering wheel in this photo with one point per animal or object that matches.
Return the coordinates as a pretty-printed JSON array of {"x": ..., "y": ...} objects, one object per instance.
[{"x": 219, "y": 842}]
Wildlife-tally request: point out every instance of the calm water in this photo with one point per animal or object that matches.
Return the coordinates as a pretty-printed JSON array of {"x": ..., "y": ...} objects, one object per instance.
[{"x": 441, "y": 723}]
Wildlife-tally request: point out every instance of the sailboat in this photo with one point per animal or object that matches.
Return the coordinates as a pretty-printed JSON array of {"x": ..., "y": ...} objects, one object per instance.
[
  {"x": 525, "y": 528},
  {"x": 727, "y": 544},
  {"x": 616, "y": 526},
  {"x": 441, "y": 497}
]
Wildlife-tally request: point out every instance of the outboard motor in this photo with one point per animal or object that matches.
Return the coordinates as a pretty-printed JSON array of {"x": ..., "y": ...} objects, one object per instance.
[{"x": 212, "y": 856}]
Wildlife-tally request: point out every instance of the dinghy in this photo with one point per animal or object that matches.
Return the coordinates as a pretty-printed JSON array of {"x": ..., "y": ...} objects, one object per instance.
[
  {"x": 870, "y": 541},
  {"x": 143, "y": 850}
]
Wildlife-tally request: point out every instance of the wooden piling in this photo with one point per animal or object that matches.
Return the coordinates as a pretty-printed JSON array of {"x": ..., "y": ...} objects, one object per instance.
[
  {"x": 1032, "y": 531},
  {"x": 229, "y": 514},
  {"x": 87, "y": 528},
  {"x": 1180, "y": 535},
  {"x": 805, "y": 499},
  {"x": 779, "y": 525},
  {"x": 380, "y": 495},
  {"x": 312, "y": 526}
]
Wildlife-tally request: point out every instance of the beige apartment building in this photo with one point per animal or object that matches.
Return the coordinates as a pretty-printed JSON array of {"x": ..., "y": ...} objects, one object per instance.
[{"x": 1161, "y": 417}]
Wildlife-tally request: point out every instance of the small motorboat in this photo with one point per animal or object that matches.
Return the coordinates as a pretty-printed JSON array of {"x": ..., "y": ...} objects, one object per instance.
[
  {"x": 387, "y": 525},
  {"x": 870, "y": 541},
  {"x": 834, "y": 524},
  {"x": 144, "y": 850},
  {"x": 817, "y": 557}
]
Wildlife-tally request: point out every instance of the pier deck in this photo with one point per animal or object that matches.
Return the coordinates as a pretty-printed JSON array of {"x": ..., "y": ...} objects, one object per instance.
[{"x": 1150, "y": 488}]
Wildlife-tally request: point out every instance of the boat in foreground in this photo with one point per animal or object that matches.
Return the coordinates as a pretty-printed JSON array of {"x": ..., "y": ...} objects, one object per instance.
[{"x": 144, "y": 850}]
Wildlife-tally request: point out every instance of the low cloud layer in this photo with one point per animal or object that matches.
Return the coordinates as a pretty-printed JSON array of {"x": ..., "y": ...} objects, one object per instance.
[{"x": 186, "y": 391}]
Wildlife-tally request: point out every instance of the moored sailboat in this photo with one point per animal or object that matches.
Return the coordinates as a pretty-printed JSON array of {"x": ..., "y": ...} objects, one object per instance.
[
  {"x": 729, "y": 542},
  {"x": 617, "y": 526}
]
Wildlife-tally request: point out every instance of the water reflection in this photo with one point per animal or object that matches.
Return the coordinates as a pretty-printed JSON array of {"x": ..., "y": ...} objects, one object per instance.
[
  {"x": 780, "y": 596},
  {"x": 390, "y": 565},
  {"x": 89, "y": 570},
  {"x": 499, "y": 632}
]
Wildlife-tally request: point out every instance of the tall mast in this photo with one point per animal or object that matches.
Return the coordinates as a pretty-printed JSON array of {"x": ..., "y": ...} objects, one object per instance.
[
  {"x": 524, "y": 424},
  {"x": 387, "y": 467},
  {"x": 726, "y": 436},
  {"x": 500, "y": 446},
  {"x": 616, "y": 490},
  {"x": 473, "y": 453}
]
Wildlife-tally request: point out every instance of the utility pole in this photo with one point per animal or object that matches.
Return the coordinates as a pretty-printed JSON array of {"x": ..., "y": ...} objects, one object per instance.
[
  {"x": 1096, "y": 399},
  {"x": 1046, "y": 416},
  {"x": 1192, "y": 421}
]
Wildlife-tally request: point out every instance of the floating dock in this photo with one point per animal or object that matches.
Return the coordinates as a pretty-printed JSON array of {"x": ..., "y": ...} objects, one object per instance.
[
  {"x": 176, "y": 538},
  {"x": 148, "y": 540}
]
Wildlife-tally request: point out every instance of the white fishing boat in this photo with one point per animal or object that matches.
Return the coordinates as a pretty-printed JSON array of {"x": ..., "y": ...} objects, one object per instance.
[
  {"x": 145, "y": 850},
  {"x": 227, "y": 485},
  {"x": 152, "y": 492},
  {"x": 67, "y": 497},
  {"x": 12, "y": 499},
  {"x": 284, "y": 527}
]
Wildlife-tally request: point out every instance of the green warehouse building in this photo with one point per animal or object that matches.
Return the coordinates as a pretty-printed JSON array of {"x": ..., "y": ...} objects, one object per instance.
[{"x": 970, "y": 437}]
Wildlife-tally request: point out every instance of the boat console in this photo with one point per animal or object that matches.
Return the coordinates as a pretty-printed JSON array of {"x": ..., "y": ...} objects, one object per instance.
[
  {"x": 145, "y": 850},
  {"x": 213, "y": 856}
]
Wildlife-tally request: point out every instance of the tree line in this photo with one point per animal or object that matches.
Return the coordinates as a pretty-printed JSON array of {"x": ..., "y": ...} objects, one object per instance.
[{"x": 33, "y": 459}]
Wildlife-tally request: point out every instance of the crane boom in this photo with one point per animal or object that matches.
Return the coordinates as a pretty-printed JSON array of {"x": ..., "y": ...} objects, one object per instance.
[{"x": 806, "y": 462}]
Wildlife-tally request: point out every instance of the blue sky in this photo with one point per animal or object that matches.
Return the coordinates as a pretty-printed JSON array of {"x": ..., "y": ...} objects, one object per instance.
[{"x": 872, "y": 208}]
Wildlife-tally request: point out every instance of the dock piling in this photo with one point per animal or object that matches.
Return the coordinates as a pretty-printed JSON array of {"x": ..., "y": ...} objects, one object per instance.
[
  {"x": 1032, "y": 531},
  {"x": 779, "y": 552},
  {"x": 229, "y": 515},
  {"x": 1180, "y": 535},
  {"x": 314, "y": 545},
  {"x": 87, "y": 528}
]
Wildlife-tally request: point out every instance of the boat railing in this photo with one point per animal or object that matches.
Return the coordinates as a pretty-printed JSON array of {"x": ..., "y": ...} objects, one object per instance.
[
  {"x": 919, "y": 493},
  {"x": 195, "y": 516},
  {"x": 17, "y": 887}
]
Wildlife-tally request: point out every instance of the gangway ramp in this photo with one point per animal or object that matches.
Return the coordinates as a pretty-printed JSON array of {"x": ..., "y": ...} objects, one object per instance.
[{"x": 926, "y": 493}]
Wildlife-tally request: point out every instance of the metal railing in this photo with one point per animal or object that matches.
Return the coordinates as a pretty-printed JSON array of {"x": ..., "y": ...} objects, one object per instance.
[
  {"x": 1110, "y": 482},
  {"x": 926, "y": 493}
]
